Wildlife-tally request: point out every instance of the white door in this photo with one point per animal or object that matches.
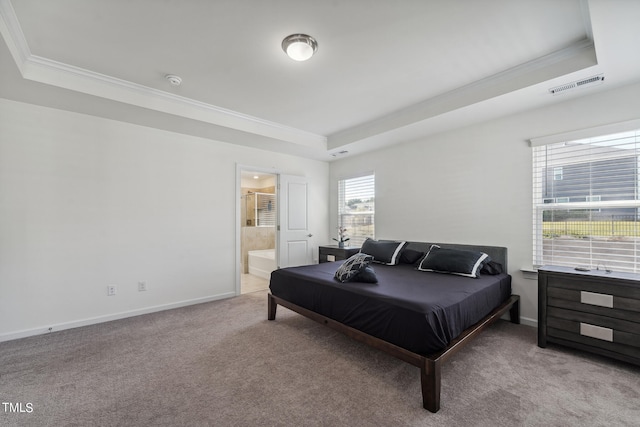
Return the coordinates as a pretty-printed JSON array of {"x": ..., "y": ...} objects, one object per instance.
[{"x": 293, "y": 225}]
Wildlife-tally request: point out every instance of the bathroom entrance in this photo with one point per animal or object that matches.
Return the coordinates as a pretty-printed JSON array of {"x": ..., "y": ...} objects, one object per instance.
[{"x": 258, "y": 221}]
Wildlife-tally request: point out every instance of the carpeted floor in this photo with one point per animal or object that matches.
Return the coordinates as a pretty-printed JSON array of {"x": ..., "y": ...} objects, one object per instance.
[{"x": 224, "y": 364}]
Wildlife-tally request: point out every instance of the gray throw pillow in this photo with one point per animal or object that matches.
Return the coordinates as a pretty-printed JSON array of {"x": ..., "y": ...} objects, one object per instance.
[{"x": 352, "y": 266}]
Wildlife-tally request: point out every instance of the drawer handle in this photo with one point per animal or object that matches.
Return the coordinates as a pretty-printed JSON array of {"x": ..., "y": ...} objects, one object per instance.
[
  {"x": 601, "y": 300},
  {"x": 597, "y": 332}
]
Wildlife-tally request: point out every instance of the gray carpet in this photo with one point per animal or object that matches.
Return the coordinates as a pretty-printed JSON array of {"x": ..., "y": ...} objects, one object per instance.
[{"x": 224, "y": 364}]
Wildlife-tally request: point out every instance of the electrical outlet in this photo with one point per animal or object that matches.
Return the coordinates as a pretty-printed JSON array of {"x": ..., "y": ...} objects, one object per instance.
[
  {"x": 142, "y": 286},
  {"x": 111, "y": 290}
]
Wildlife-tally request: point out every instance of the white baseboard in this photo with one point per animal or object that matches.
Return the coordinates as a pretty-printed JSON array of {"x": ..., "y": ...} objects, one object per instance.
[
  {"x": 122, "y": 315},
  {"x": 528, "y": 322},
  {"x": 255, "y": 271},
  {"x": 523, "y": 320},
  {"x": 109, "y": 317}
]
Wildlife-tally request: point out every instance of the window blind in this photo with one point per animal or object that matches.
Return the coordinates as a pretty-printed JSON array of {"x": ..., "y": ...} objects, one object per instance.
[
  {"x": 586, "y": 204},
  {"x": 356, "y": 208}
]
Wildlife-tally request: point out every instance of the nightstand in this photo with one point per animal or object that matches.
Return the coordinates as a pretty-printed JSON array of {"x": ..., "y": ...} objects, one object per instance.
[{"x": 334, "y": 253}]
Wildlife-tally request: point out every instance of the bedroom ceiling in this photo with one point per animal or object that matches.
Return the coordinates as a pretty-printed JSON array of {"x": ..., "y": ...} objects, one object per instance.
[{"x": 384, "y": 73}]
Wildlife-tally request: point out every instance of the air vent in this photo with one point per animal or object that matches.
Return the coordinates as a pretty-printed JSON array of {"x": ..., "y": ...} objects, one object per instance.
[
  {"x": 589, "y": 81},
  {"x": 340, "y": 153}
]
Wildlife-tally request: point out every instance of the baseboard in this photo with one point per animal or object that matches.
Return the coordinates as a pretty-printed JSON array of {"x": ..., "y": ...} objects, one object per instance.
[
  {"x": 109, "y": 317},
  {"x": 523, "y": 320},
  {"x": 528, "y": 322},
  {"x": 123, "y": 315},
  {"x": 260, "y": 272}
]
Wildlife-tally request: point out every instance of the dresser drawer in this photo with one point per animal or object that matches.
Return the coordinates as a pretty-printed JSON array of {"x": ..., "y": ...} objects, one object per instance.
[
  {"x": 562, "y": 336},
  {"x": 596, "y": 303},
  {"x": 335, "y": 253},
  {"x": 598, "y": 327},
  {"x": 618, "y": 289}
]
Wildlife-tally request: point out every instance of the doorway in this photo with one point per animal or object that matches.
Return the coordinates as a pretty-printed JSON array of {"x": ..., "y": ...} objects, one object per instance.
[{"x": 258, "y": 216}]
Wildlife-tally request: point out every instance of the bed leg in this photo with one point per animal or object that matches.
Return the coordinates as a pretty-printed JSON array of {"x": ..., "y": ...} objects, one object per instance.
[
  {"x": 272, "y": 306},
  {"x": 430, "y": 380},
  {"x": 514, "y": 312}
]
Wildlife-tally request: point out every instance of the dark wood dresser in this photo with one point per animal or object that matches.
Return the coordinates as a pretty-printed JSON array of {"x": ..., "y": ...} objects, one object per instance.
[
  {"x": 591, "y": 310},
  {"x": 334, "y": 253}
]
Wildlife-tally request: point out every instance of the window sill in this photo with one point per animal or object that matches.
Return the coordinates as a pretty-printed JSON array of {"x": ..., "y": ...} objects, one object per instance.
[{"x": 530, "y": 273}]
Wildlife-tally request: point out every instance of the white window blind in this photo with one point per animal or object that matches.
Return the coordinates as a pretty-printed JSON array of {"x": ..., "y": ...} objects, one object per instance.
[
  {"x": 356, "y": 208},
  {"x": 586, "y": 204}
]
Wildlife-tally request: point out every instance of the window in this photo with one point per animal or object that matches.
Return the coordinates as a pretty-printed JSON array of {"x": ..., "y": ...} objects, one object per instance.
[
  {"x": 591, "y": 215},
  {"x": 356, "y": 208},
  {"x": 557, "y": 173},
  {"x": 594, "y": 199}
]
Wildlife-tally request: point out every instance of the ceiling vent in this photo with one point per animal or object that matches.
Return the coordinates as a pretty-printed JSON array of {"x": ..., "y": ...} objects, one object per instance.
[
  {"x": 589, "y": 81},
  {"x": 340, "y": 153}
]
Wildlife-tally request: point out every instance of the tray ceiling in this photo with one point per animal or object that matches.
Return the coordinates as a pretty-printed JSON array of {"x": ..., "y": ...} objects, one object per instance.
[{"x": 384, "y": 72}]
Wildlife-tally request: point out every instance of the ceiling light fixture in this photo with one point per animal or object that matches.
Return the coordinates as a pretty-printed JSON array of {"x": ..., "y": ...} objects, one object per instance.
[{"x": 299, "y": 47}]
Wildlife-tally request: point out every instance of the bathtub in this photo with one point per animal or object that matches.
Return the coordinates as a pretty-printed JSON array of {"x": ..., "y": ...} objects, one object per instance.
[{"x": 262, "y": 262}]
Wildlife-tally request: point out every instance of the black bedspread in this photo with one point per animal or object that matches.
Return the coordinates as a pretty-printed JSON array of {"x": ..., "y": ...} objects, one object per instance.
[{"x": 419, "y": 311}]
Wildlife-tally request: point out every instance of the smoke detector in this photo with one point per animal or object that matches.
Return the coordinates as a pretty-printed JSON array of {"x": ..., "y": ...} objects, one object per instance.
[
  {"x": 589, "y": 81},
  {"x": 173, "y": 79}
]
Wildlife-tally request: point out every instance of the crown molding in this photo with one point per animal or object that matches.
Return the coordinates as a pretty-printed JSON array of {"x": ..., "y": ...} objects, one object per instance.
[
  {"x": 70, "y": 77},
  {"x": 48, "y": 71},
  {"x": 13, "y": 35}
]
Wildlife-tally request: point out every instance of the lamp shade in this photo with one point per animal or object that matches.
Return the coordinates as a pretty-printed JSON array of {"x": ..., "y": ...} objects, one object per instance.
[{"x": 299, "y": 47}]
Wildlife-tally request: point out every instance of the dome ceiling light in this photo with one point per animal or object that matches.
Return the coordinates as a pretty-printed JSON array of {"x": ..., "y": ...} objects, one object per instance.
[{"x": 299, "y": 47}]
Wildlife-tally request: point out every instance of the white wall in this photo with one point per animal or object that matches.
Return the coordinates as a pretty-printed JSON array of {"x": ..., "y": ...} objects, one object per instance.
[
  {"x": 473, "y": 185},
  {"x": 87, "y": 202}
]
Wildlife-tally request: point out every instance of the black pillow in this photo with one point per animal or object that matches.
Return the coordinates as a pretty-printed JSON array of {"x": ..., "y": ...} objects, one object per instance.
[
  {"x": 366, "y": 275},
  {"x": 491, "y": 267},
  {"x": 454, "y": 261},
  {"x": 352, "y": 266},
  {"x": 410, "y": 256},
  {"x": 383, "y": 252}
]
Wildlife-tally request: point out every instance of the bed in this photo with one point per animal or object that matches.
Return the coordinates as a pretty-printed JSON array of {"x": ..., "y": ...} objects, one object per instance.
[{"x": 420, "y": 317}]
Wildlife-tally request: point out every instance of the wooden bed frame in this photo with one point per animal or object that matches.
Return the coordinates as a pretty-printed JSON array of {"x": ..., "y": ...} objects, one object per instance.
[{"x": 430, "y": 365}]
